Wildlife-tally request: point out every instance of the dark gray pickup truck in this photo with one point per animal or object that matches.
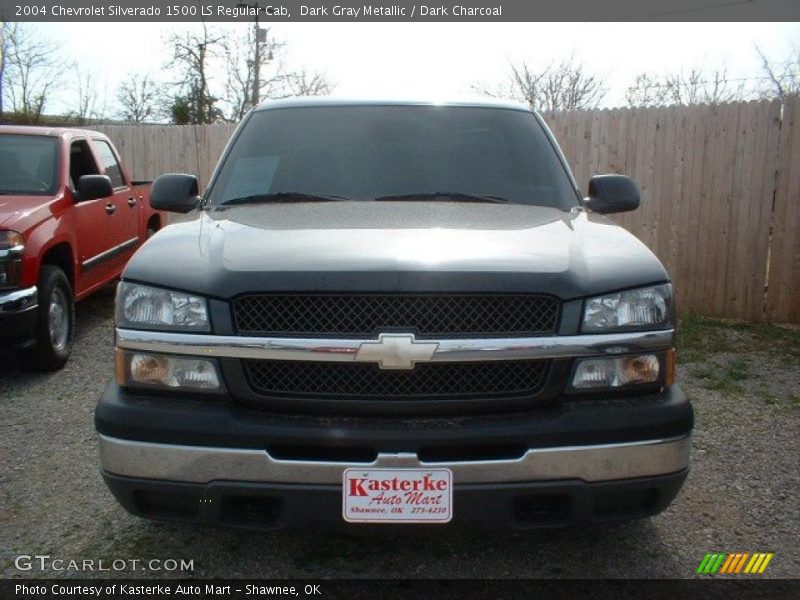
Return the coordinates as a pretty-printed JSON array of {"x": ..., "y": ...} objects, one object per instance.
[{"x": 394, "y": 312}]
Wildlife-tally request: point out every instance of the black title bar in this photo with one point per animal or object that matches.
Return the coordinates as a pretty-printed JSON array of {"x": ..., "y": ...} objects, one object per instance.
[
  {"x": 270, "y": 11},
  {"x": 382, "y": 589}
]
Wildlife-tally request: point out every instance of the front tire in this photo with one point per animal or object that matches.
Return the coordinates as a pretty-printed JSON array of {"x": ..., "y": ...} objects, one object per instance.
[{"x": 55, "y": 323}]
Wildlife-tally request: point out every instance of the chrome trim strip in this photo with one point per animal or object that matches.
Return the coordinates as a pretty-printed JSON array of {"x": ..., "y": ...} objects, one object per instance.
[
  {"x": 19, "y": 300},
  {"x": 108, "y": 254},
  {"x": 347, "y": 350},
  {"x": 198, "y": 464}
]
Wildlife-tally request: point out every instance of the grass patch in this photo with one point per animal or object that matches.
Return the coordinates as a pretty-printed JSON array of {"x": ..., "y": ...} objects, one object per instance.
[
  {"x": 738, "y": 370},
  {"x": 724, "y": 385},
  {"x": 723, "y": 378},
  {"x": 698, "y": 337}
]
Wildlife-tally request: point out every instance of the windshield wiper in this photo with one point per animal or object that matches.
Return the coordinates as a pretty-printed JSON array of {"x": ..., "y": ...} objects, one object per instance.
[
  {"x": 451, "y": 196},
  {"x": 282, "y": 197}
]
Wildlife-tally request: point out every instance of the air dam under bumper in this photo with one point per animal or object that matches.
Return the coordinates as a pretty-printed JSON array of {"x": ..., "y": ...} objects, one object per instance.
[{"x": 248, "y": 488}]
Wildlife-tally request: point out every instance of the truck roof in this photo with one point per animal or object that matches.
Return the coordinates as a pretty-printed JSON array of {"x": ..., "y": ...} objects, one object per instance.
[
  {"x": 479, "y": 102},
  {"x": 49, "y": 131}
]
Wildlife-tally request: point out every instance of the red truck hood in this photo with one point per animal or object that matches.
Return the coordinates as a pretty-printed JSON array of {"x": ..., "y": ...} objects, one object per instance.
[{"x": 20, "y": 213}]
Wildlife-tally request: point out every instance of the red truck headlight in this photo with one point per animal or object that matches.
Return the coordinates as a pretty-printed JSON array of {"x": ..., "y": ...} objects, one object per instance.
[
  {"x": 11, "y": 240},
  {"x": 11, "y": 247}
]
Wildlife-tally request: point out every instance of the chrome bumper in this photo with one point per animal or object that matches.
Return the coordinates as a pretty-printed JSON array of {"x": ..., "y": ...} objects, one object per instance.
[
  {"x": 18, "y": 300},
  {"x": 197, "y": 464},
  {"x": 353, "y": 350}
]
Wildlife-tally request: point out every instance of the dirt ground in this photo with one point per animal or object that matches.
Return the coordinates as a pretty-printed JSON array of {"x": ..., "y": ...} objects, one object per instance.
[{"x": 743, "y": 493}]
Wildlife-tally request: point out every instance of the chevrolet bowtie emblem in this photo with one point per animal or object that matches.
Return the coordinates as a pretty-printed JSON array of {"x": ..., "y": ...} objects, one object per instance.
[{"x": 396, "y": 351}]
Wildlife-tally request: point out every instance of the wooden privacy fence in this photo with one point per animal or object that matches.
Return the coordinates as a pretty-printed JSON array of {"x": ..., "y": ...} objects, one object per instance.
[
  {"x": 151, "y": 150},
  {"x": 720, "y": 188}
]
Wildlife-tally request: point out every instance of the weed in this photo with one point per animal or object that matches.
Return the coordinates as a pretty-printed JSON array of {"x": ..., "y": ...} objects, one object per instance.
[{"x": 700, "y": 336}]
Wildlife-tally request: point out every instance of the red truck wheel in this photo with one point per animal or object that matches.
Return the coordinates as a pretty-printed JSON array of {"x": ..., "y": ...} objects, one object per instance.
[{"x": 56, "y": 320}]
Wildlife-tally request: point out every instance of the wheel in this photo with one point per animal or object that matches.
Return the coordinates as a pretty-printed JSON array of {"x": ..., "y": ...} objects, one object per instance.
[
  {"x": 56, "y": 320},
  {"x": 152, "y": 228}
]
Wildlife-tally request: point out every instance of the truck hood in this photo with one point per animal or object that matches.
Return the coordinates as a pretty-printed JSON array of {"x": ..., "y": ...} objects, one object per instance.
[
  {"x": 19, "y": 213},
  {"x": 395, "y": 246}
]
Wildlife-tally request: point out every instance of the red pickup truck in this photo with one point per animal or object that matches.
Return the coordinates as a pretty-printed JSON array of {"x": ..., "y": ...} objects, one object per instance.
[{"x": 70, "y": 217}]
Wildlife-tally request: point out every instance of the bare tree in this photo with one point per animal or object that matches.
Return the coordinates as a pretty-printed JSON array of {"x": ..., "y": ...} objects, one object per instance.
[
  {"x": 240, "y": 53},
  {"x": 646, "y": 90},
  {"x": 31, "y": 70},
  {"x": 3, "y": 28},
  {"x": 192, "y": 55},
  {"x": 138, "y": 98},
  {"x": 782, "y": 77},
  {"x": 274, "y": 80},
  {"x": 559, "y": 86},
  {"x": 699, "y": 87},
  {"x": 307, "y": 83},
  {"x": 86, "y": 98},
  {"x": 685, "y": 89}
]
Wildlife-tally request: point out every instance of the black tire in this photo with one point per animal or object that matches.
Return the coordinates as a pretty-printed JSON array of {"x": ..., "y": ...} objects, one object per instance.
[
  {"x": 152, "y": 229},
  {"x": 56, "y": 308}
]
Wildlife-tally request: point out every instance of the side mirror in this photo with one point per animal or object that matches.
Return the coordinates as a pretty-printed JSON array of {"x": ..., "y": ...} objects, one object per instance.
[
  {"x": 612, "y": 194},
  {"x": 92, "y": 187},
  {"x": 175, "y": 192}
]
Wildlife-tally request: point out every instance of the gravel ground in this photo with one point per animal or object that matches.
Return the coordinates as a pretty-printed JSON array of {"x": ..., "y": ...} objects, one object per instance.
[{"x": 743, "y": 493}]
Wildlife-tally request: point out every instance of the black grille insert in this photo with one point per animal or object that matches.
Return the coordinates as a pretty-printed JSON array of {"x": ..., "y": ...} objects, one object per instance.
[
  {"x": 369, "y": 314},
  {"x": 434, "y": 381}
]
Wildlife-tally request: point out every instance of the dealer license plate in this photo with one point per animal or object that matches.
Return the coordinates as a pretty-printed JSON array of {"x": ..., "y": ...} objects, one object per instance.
[{"x": 397, "y": 495}]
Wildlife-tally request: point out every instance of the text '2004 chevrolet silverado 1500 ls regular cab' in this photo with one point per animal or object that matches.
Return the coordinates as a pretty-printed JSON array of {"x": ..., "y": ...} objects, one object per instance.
[
  {"x": 394, "y": 313},
  {"x": 70, "y": 217}
]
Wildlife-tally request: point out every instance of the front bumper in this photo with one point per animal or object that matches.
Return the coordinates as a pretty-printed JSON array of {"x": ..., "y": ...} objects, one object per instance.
[
  {"x": 580, "y": 460},
  {"x": 18, "y": 312},
  {"x": 197, "y": 464}
]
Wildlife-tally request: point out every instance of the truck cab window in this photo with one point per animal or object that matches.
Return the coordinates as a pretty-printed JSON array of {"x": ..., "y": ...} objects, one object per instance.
[
  {"x": 81, "y": 162},
  {"x": 109, "y": 163},
  {"x": 28, "y": 164}
]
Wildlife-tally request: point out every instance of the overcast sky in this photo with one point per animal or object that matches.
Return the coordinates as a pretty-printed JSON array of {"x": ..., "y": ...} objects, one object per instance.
[{"x": 422, "y": 59}]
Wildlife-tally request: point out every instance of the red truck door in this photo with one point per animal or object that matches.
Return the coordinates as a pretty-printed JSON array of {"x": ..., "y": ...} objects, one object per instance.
[
  {"x": 97, "y": 237},
  {"x": 126, "y": 221}
]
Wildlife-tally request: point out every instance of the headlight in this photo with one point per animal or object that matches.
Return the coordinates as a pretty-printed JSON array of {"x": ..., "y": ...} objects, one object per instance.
[
  {"x": 645, "y": 308},
  {"x": 618, "y": 372},
  {"x": 145, "y": 307},
  {"x": 147, "y": 370},
  {"x": 10, "y": 240},
  {"x": 11, "y": 247}
]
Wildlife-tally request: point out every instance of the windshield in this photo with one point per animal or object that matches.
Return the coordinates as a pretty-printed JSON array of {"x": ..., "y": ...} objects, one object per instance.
[
  {"x": 407, "y": 152},
  {"x": 28, "y": 164}
]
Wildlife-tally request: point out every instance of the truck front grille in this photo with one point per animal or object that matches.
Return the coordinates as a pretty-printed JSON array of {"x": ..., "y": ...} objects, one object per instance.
[
  {"x": 422, "y": 314},
  {"x": 434, "y": 381}
]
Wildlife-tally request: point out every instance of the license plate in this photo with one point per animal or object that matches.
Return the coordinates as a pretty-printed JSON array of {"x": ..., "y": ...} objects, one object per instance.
[{"x": 397, "y": 495}]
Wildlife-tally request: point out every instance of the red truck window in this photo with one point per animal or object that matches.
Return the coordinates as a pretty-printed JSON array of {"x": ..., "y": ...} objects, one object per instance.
[
  {"x": 81, "y": 162},
  {"x": 109, "y": 163},
  {"x": 28, "y": 164}
]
